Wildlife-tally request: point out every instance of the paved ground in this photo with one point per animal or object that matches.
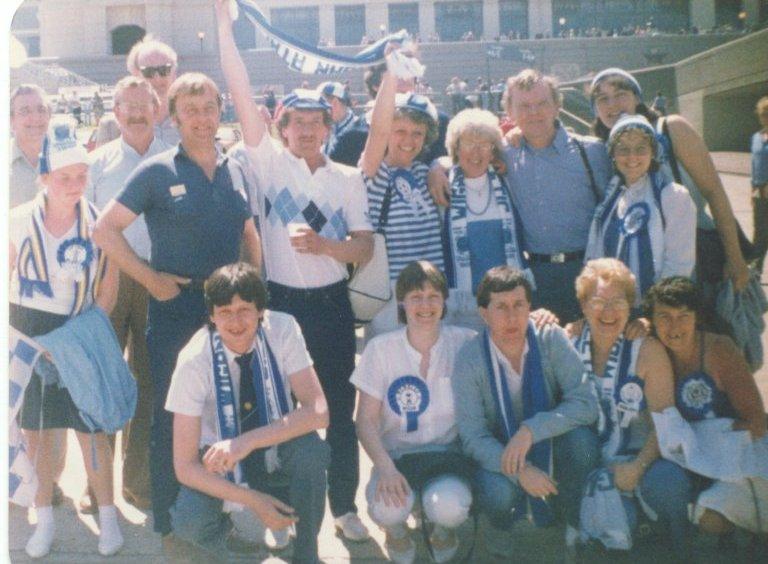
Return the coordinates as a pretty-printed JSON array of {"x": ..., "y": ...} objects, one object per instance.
[{"x": 77, "y": 533}]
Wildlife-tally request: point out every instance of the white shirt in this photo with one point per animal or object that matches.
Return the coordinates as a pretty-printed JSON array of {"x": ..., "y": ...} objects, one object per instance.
[
  {"x": 481, "y": 202},
  {"x": 514, "y": 379},
  {"x": 61, "y": 279},
  {"x": 192, "y": 390},
  {"x": 167, "y": 132},
  {"x": 109, "y": 167},
  {"x": 389, "y": 357},
  {"x": 288, "y": 192}
]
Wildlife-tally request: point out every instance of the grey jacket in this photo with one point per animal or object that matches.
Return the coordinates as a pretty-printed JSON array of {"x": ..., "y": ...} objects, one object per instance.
[{"x": 476, "y": 415}]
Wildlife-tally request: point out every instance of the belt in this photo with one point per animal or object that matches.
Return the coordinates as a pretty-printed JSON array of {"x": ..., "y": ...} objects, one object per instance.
[
  {"x": 557, "y": 258},
  {"x": 339, "y": 287}
]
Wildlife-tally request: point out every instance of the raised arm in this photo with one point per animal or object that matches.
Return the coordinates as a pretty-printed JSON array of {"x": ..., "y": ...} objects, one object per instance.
[
  {"x": 693, "y": 154},
  {"x": 381, "y": 125},
  {"x": 251, "y": 119}
]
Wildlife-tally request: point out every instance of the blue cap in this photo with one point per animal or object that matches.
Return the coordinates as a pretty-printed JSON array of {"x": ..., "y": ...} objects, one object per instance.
[
  {"x": 305, "y": 99},
  {"x": 615, "y": 71},
  {"x": 417, "y": 103},
  {"x": 627, "y": 122},
  {"x": 335, "y": 89}
]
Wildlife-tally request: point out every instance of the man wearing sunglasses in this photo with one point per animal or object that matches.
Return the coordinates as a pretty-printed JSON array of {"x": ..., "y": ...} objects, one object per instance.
[{"x": 157, "y": 62}]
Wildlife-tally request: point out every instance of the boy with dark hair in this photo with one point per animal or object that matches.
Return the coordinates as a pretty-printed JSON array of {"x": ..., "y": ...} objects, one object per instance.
[{"x": 237, "y": 429}]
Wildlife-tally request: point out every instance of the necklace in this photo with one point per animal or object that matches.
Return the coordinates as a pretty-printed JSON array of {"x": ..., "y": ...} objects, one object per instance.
[{"x": 487, "y": 200}]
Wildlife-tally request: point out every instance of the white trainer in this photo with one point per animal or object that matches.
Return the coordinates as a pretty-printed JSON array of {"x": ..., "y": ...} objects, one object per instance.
[
  {"x": 352, "y": 527},
  {"x": 278, "y": 539},
  {"x": 39, "y": 544}
]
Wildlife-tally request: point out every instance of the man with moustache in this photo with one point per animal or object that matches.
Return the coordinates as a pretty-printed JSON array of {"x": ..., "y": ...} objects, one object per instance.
[
  {"x": 30, "y": 115},
  {"x": 158, "y": 63},
  {"x": 307, "y": 205},
  {"x": 197, "y": 217},
  {"x": 136, "y": 106}
]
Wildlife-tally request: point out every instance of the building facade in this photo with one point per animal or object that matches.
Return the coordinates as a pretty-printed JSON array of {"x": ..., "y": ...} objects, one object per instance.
[{"x": 70, "y": 28}]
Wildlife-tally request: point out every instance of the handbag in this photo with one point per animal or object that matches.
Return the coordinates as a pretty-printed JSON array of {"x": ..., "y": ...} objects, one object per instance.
[{"x": 369, "y": 287}]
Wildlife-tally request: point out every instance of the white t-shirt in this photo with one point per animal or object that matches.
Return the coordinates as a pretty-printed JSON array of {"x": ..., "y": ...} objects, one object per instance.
[
  {"x": 514, "y": 379},
  {"x": 389, "y": 358},
  {"x": 192, "y": 391},
  {"x": 481, "y": 202},
  {"x": 62, "y": 275},
  {"x": 332, "y": 201}
]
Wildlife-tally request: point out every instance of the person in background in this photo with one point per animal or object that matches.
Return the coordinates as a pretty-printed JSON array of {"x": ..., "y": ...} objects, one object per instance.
[
  {"x": 158, "y": 63},
  {"x": 759, "y": 149},
  {"x": 659, "y": 104},
  {"x": 107, "y": 130},
  {"x": 30, "y": 116},
  {"x": 346, "y": 140}
]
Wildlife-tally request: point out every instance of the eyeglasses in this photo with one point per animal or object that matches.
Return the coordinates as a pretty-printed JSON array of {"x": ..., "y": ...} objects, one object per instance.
[
  {"x": 599, "y": 304},
  {"x": 640, "y": 151},
  {"x": 483, "y": 147},
  {"x": 28, "y": 111},
  {"x": 159, "y": 70}
]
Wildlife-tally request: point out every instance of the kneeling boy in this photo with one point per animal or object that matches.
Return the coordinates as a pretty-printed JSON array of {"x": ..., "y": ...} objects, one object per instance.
[{"x": 236, "y": 429}]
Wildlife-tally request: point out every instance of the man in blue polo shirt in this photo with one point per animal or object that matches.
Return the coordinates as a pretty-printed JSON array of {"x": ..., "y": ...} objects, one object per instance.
[{"x": 196, "y": 213}]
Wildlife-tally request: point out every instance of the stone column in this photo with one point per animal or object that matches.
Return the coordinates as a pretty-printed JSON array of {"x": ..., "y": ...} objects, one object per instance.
[
  {"x": 702, "y": 14},
  {"x": 539, "y": 17},
  {"x": 376, "y": 15},
  {"x": 327, "y": 22},
  {"x": 491, "y": 26},
  {"x": 426, "y": 19}
]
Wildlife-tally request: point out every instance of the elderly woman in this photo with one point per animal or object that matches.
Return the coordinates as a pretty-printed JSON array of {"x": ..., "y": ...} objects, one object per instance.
[
  {"x": 712, "y": 380},
  {"x": 405, "y": 418},
  {"x": 631, "y": 379},
  {"x": 645, "y": 220},
  {"x": 57, "y": 273},
  {"x": 685, "y": 159},
  {"x": 480, "y": 227}
]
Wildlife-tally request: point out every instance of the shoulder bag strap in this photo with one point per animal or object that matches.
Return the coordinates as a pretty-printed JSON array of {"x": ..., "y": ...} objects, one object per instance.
[
  {"x": 590, "y": 173},
  {"x": 671, "y": 150},
  {"x": 384, "y": 217}
]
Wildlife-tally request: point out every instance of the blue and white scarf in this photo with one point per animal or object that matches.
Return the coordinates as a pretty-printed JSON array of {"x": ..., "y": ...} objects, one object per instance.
[
  {"x": 628, "y": 238},
  {"x": 619, "y": 392},
  {"x": 457, "y": 251},
  {"x": 75, "y": 257},
  {"x": 308, "y": 59},
  {"x": 22, "y": 478},
  {"x": 272, "y": 400},
  {"x": 535, "y": 400}
]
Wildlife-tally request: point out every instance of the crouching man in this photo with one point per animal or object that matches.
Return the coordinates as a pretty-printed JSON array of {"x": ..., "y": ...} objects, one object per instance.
[
  {"x": 238, "y": 436},
  {"x": 522, "y": 403}
]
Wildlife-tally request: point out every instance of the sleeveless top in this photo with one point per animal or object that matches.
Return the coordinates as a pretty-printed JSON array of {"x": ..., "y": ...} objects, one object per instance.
[{"x": 697, "y": 396}]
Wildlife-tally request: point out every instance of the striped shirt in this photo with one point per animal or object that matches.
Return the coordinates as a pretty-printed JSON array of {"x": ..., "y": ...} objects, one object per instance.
[{"x": 413, "y": 225}]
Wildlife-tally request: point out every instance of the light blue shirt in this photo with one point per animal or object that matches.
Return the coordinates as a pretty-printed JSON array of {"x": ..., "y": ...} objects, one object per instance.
[
  {"x": 110, "y": 167},
  {"x": 551, "y": 190},
  {"x": 759, "y": 160}
]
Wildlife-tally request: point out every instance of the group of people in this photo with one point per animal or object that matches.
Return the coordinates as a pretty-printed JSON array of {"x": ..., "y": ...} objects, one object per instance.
[{"x": 225, "y": 276}]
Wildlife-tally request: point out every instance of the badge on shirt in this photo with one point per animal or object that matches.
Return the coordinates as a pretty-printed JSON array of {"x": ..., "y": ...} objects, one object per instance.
[{"x": 177, "y": 191}]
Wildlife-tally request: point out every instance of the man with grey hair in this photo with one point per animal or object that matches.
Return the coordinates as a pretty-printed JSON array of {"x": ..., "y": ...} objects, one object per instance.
[
  {"x": 158, "y": 63},
  {"x": 136, "y": 107},
  {"x": 30, "y": 115}
]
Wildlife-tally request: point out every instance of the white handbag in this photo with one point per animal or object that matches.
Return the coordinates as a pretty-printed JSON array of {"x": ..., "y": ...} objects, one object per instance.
[{"x": 369, "y": 287}]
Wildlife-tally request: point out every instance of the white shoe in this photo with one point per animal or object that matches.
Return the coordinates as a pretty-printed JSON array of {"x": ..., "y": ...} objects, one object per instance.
[
  {"x": 445, "y": 544},
  {"x": 111, "y": 545},
  {"x": 39, "y": 544},
  {"x": 352, "y": 527},
  {"x": 278, "y": 539},
  {"x": 400, "y": 550}
]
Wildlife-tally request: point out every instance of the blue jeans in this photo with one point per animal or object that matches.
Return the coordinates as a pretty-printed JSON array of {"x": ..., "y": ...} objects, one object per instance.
[
  {"x": 170, "y": 325},
  {"x": 575, "y": 455},
  {"x": 198, "y": 518},
  {"x": 666, "y": 489}
]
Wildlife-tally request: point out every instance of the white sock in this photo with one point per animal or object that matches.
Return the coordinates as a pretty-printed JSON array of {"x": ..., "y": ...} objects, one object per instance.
[
  {"x": 39, "y": 544},
  {"x": 110, "y": 537}
]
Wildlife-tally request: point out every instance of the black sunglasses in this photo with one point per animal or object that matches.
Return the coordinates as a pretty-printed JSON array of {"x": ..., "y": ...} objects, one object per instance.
[{"x": 160, "y": 70}]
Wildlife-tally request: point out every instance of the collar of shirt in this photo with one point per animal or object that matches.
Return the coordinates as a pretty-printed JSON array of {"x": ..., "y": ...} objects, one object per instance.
[
  {"x": 18, "y": 154},
  {"x": 511, "y": 372},
  {"x": 559, "y": 143},
  {"x": 156, "y": 146},
  {"x": 221, "y": 158},
  {"x": 345, "y": 123},
  {"x": 415, "y": 355},
  {"x": 301, "y": 163}
]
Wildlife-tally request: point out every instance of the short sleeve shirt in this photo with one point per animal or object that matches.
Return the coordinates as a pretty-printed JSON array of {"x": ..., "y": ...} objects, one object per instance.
[
  {"x": 23, "y": 184},
  {"x": 331, "y": 201},
  {"x": 389, "y": 372},
  {"x": 195, "y": 225},
  {"x": 109, "y": 168},
  {"x": 192, "y": 390}
]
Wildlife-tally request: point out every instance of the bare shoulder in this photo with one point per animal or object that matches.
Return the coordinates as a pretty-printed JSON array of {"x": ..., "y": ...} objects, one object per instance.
[{"x": 652, "y": 357}]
